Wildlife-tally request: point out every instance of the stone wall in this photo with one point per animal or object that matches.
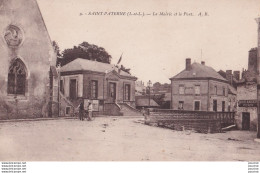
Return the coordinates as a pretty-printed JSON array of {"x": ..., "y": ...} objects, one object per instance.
[{"x": 25, "y": 37}]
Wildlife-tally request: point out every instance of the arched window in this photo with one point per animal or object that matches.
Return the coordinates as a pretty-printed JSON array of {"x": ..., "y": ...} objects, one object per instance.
[{"x": 16, "y": 78}]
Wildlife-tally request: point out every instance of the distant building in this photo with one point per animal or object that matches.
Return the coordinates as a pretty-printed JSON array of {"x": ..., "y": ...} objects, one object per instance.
[
  {"x": 140, "y": 89},
  {"x": 199, "y": 87},
  {"x": 106, "y": 86},
  {"x": 145, "y": 102},
  {"x": 232, "y": 78}
]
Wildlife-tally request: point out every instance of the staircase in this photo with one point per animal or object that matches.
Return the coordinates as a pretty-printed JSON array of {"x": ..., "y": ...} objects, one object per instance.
[
  {"x": 67, "y": 103},
  {"x": 128, "y": 110}
]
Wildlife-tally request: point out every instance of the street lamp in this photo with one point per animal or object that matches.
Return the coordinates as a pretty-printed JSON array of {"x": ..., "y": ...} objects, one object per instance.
[{"x": 149, "y": 84}]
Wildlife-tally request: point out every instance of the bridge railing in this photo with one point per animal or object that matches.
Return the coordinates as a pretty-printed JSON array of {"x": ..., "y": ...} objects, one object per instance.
[{"x": 170, "y": 114}]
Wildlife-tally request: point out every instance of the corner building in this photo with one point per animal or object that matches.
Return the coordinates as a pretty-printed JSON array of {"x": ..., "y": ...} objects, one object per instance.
[{"x": 200, "y": 88}]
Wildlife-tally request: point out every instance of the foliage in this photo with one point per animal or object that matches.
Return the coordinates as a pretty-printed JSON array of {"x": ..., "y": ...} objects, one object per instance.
[{"x": 85, "y": 51}]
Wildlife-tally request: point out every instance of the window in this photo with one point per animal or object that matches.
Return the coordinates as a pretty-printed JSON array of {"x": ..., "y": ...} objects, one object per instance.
[
  {"x": 215, "y": 90},
  {"x": 94, "y": 89},
  {"x": 197, "y": 89},
  {"x": 181, "y": 104},
  {"x": 67, "y": 110},
  {"x": 127, "y": 92},
  {"x": 16, "y": 78},
  {"x": 224, "y": 91},
  {"x": 181, "y": 89},
  {"x": 196, "y": 105}
]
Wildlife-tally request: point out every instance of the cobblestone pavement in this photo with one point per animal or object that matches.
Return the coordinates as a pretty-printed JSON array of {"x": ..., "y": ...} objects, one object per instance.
[{"x": 119, "y": 139}]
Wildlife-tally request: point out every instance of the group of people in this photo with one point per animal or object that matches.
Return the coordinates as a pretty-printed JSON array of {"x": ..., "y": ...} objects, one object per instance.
[{"x": 85, "y": 110}]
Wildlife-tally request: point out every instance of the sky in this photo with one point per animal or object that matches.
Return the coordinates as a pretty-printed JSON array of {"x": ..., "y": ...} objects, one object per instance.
[{"x": 155, "y": 46}]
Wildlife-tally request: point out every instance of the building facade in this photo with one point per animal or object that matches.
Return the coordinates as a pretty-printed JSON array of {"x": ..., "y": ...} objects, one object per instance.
[
  {"x": 199, "y": 88},
  {"x": 26, "y": 57},
  {"x": 106, "y": 86},
  {"x": 246, "y": 118}
]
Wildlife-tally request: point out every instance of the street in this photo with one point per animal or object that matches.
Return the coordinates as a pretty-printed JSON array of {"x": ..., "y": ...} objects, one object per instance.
[{"x": 119, "y": 139}]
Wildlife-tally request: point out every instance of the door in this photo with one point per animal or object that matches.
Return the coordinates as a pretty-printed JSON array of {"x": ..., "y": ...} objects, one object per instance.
[
  {"x": 223, "y": 106},
  {"x": 245, "y": 121},
  {"x": 73, "y": 88},
  {"x": 112, "y": 91},
  {"x": 197, "y": 105},
  {"x": 215, "y": 105}
]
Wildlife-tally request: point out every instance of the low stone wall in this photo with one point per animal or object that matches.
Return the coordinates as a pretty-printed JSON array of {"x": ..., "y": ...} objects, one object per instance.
[
  {"x": 200, "y": 126},
  {"x": 199, "y": 121}
]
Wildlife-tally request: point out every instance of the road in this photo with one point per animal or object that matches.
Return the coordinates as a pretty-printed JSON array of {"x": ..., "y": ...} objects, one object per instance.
[{"x": 119, "y": 139}]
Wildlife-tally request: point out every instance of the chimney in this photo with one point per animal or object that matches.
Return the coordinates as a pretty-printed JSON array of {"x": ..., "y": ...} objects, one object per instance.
[
  {"x": 188, "y": 64},
  {"x": 229, "y": 76},
  {"x": 203, "y": 62},
  {"x": 236, "y": 75}
]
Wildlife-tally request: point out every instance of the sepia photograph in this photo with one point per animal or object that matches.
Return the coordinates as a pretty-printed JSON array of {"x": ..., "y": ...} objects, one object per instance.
[{"x": 121, "y": 80}]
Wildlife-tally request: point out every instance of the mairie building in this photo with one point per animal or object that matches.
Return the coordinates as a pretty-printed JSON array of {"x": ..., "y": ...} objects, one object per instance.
[{"x": 110, "y": 89}]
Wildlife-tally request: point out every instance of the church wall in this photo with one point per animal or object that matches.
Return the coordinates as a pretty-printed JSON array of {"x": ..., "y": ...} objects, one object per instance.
[{"x": 34, "y": 49}]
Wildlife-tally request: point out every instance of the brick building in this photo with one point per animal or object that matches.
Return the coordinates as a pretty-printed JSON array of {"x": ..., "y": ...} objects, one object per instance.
[
  {"x": 26, "y": 57},
  {"x": 199, "y": 87},
  {"x": 106, "y": 86}
]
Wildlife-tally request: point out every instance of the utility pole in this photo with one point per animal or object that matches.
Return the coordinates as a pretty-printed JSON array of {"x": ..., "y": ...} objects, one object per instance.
[{"x": 149, "y": 84}]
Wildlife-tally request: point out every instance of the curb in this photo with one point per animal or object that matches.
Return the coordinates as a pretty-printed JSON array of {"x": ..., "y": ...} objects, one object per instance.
[
  {"x": 64, "y": 118},
  {"x": 35, "y": 119}
]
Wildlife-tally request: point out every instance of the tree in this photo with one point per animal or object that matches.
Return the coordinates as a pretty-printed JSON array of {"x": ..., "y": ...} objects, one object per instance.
[{"x": 85, "y": 51}]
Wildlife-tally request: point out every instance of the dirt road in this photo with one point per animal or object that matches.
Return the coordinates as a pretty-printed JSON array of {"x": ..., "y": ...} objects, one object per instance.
[{"x": 119, "y": 139}]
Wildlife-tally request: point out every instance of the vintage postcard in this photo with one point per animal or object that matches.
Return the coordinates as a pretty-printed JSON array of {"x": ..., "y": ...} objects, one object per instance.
[{"x": 125, "y": 80}]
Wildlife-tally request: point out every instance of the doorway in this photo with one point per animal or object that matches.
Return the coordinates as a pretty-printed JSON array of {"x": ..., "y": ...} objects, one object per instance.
[
  {"x": 73, "y": 88},
  {"x": 215, "y": 105},
  {"x": 245, "y": 121},
  {"x": 112, "y": 91}
]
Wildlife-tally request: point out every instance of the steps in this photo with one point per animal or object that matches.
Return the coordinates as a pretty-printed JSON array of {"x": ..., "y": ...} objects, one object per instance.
[{"x": 129, "y": 111}]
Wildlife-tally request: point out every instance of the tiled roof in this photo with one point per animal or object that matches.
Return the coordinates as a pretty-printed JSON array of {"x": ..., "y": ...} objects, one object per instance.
[
  {"x": 199, "y": 71},
  {"x": 84, "y": 64}
]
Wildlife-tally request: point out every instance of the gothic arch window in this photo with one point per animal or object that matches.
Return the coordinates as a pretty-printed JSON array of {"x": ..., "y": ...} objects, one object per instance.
[{"x": 16, "y": 78}]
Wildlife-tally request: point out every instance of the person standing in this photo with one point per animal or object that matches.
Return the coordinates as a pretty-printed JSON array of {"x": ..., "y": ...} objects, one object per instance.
[
  {"x": 90, "y": 111},
  {"x": 81, "y": 111}
]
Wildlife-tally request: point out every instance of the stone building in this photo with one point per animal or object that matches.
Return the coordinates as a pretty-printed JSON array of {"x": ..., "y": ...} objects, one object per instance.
[
  {"x": 110, "y": 89},
  {"x": 199, "y": 87},
  {"x": 246, "y": 118},
  {"x": 26, "y": 57}
]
